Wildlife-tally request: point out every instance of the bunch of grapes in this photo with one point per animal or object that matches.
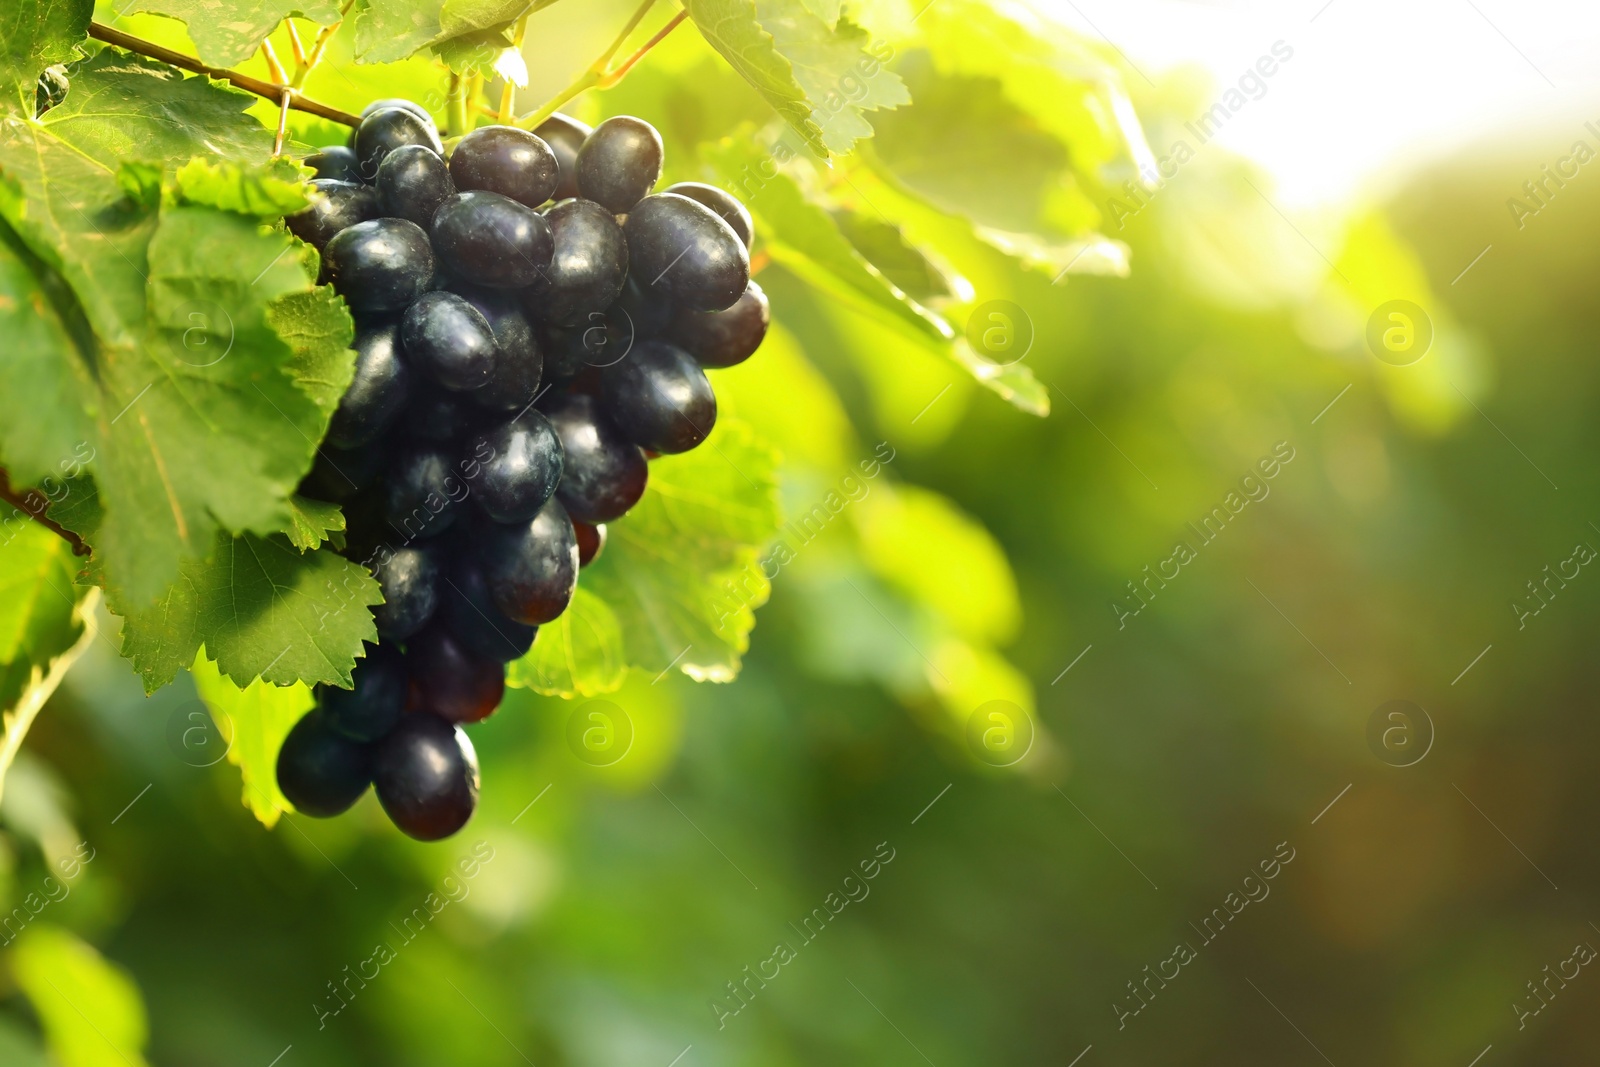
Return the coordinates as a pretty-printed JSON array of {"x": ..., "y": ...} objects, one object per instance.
[{"x": 518, "y": 363}]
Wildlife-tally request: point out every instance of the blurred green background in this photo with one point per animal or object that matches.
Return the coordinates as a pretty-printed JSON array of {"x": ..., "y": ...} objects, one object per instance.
[{"x": 1222, "y": 727}]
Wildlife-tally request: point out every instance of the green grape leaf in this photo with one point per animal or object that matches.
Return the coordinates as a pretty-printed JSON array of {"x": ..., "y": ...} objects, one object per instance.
[
  {"x": 279, "y": 188},
  {"x": 681, "y": 570},
  {"x": 317, "y": 327},
  {"x": 225, "y": 34},
  {"x": 313, "y": 522},
  {"x": 734, "y": 29},
  {"x": 826, "y": 10},
  {"x": 255, "y": 720},
  {"x": 914, "y": 271},
  {"x": 38, "y": 603},
  {"x": 35, "y": 34},
  {"x": 88, "y": 1007},
  {"x": 580, "y": 654},
  {"x": 474, "y": 53},
  {"x": 799, "y": 233},
  {"x": 173, "y": 376},
  {"x": 263, "y": 609},
  {"x": 389, "y": 30}
]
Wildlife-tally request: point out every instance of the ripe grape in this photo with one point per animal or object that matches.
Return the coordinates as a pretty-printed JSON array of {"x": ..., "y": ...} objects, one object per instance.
[
  {"x": 588, "y": 268},
  {"x": 450, "y": 339},
  {"x": 412, "y": 182},
  {"x": 371, "y": 708},
  {"x": 532, "y": 567},
  {"x": 492, "y": 240},
  {"x": 619, "y": 163},
  {"x": 335, "y": 161},
  {"x": 603, "y": 474},
  {"x": 728, "y": 209},
  {"x": 724, "y": 338},
  {"x": 426, "y": 774},
  {"x": 524, "y": 471},
  {"x": 341, "y": 205},
  {"x": 591, "y": 540},
  {"x": 659, "y": 398},
  {"x": 321, "y": 771},
  {"x": 408, "y": 579},
  {"x": 680, "y": 249},
  {"x": 424, "y": 492},
  {"x": 400, "y": 102},
  {"x": 437, "y": 415},
  {"x": 451, "y": 682},
  {"x": 565, "y": 135},
  {"x": 377, "y": 393},
  {"x": 386, "y": 129},
  {"x": 520, "y": 364},
  {"x": 468, "y": 612},
  {"x": 380, "y": 265},
  {"x": 508, "y": 161}
]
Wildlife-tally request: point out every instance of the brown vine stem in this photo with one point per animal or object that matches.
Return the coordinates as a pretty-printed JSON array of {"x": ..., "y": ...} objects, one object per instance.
[
  {"x": 600, "y": 74},
  {"x": 42, "y": 685},
  {"x": 102, "y": 32},
  {"x": 34, "y": 504}
]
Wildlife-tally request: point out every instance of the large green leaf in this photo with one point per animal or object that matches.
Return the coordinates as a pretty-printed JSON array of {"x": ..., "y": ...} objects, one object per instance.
[
  {"x": 33, "y": 35},
  {"x": 263, "y": 609},
  {"x": 225, "y": 32},
  {"x": 820, "y": 78},
  {"x": 255, "y": 720},
  {"x": 460, "y": 30},
  {"x": 160, "y": 353},
  {"x": 580, "y": 654},
  {"x": 89, "y": 1008},
  {"x": 681, "y": 570}
]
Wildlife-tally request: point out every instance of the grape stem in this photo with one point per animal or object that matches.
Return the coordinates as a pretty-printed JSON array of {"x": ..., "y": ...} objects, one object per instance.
[
  {"x": 600, "y": 74},
  {"x": 42, "y": 685},
  {"x": 34, "y": 504},
  {"x": 508, "y": 91},
  {"x": 275, "y": 93}
]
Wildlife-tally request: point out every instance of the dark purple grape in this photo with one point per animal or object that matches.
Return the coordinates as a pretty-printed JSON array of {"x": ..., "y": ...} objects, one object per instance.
[
  {"x": 371, "y": 708},
  {"x": 451, "y": 682},
  {"x": 341, "y": 205},
  {"x": 426, "y": 775},
  {"x": 377, "y": 393},
  {"x": 508, "y": 161},
  {"x": 724, "y": 338},
  {"x": 468, "y": 611},
  {"x": 531, "y": 568},
  {"x": 520, "y": 364},
  {"x": 680, "y": 249},
  {"x": 603, "y": 474},
  {"x": 648, "y": 311},
  {"x": 724, "y": 204},
  {"x": 408, "y": 578},
  {"x": 450, "y": 340},
  {"x": 492, "y": 240},
  {"x": 524, "y": 470},
  {"x": 589, "y": 267},
  {"x": 423, "y": 492},
  {"x": 321, "y": 771},
  {"x": 338, "y": 474},
  {"x": 565, "y": 135},
  {"x": 413, "y": 181},
  {"x": 659, "y": 398},
  {"x": 387, "y": 128},
  {"x": 381, "y": 265},
  {"x": 437, "y": 415},
  {"x": 591, "y": 540},
  {"x": 400, "y": 102},
  {"x": 337, "y": 162},
  {"x": 619, "y": 163}
]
